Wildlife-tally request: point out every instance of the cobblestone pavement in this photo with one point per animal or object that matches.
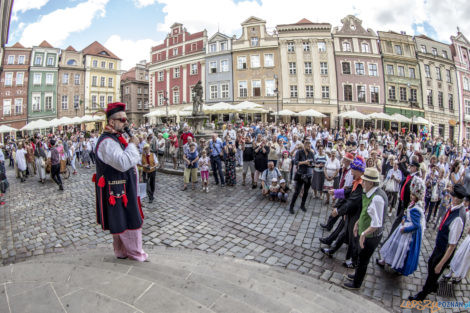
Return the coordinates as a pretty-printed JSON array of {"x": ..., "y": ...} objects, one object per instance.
[{"x": 232, "y": 221}]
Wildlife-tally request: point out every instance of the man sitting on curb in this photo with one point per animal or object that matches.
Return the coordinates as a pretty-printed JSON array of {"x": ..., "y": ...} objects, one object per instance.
[{"x": 267, "y": 176}]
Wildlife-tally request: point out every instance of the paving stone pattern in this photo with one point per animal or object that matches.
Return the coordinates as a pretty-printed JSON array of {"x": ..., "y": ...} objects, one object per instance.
[{"x": 232, "y": 221}]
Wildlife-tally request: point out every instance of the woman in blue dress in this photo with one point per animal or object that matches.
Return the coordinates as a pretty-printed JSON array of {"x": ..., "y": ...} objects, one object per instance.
[{"x": 401, "y": 250}]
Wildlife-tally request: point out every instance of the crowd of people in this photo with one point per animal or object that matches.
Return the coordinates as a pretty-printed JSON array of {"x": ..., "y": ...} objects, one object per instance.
[{"x": 361, "y": 176}]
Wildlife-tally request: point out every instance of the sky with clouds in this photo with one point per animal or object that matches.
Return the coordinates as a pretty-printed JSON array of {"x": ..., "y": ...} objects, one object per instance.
[{"x": 129, "y": 28}]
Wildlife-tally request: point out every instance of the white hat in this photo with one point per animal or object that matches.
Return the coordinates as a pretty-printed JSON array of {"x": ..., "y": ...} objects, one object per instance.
[
  {"x": 274, "y": 180},
  {"x": 282, "y": 181}
]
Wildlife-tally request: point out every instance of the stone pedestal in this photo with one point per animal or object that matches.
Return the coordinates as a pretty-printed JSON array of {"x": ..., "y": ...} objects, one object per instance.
[{"x": 196, "y": 121}]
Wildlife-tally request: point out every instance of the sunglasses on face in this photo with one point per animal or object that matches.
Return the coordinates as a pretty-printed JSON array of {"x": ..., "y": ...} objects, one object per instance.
[{"x": 122, "y": 119}]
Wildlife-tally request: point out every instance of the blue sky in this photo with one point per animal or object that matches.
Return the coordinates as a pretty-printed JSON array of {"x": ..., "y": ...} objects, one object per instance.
[{"x": 130, "y": 27}]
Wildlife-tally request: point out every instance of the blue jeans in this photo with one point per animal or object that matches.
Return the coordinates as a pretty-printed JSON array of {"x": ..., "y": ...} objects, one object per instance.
[{"x": 216, "y": 165}]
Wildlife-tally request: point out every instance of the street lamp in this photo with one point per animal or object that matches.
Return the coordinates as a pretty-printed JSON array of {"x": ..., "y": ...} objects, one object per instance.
[{"x": 277, "y": 97}]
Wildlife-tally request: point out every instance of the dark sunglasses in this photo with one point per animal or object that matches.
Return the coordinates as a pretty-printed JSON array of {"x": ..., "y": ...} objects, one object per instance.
[{"x": 122, "y": 119}]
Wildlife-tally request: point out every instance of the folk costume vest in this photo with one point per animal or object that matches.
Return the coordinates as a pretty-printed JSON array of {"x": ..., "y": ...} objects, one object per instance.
[
  {"x": 364, "y": 218},
  {"x": 117, "y": 204},
  {"x": 442, "y": 238},
  {"x": 150, "y": 161}
]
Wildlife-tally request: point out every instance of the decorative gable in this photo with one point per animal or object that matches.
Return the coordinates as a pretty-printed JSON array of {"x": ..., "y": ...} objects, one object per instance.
[{"x": 253, "y": 20}]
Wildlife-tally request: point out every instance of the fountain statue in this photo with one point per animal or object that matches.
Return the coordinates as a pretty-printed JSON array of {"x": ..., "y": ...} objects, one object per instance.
[{"x": 196, "y": 120}]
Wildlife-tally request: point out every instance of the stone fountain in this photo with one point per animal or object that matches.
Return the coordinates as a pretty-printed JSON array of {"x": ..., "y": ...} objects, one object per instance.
[{"x": 197, "y": 118}]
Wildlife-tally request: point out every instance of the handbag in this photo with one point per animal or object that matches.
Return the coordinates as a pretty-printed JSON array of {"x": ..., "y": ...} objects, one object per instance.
[
  {"x": 43, "y": 163},
  {"x": 389, "y": 185}
]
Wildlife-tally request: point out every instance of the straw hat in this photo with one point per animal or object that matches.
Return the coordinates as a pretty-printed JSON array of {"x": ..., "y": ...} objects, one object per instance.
[{"x": 371, "y": 174}]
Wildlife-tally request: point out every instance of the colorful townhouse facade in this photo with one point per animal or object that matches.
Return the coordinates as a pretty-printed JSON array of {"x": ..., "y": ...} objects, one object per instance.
[
  {"x": 308, "y": 68},
  {"x": 359, "y": 69},
  {"x": 71, "y": 85},
  {"x": 176, "y": 66},
  {"x": 135, "y": 92},
  {"x": 14, "y": 85},
  {"x": 102, "y": 77},
  {"x": 42, "y": 82}
]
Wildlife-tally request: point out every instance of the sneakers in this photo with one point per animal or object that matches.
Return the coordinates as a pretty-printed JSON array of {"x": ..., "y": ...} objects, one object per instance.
[{"x": 207, "y": 189}]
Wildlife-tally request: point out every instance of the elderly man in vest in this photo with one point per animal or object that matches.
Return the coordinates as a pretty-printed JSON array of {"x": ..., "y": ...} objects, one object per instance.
[
  {"x": 450, "y": 231},
  {"x": 118, "y": 207},
  {"x": 369, "y": 226}
]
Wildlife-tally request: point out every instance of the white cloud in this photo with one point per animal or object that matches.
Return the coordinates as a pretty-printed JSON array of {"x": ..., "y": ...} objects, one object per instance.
[
  {"x": 55, "y": 27},
  {"x": 26, "y": 5},
  {"x": 143, "y": 3},
  {"x": 130, "y": 51},
  {"x": 397, "y": 15}
]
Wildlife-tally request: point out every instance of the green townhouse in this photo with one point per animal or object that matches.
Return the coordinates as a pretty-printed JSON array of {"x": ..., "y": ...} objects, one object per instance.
[{"x": 43, "y": 74}]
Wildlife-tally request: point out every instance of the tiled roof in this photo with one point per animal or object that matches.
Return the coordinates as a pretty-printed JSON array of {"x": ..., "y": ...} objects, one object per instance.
[
  {"x": 45, "y": 44},
  {"x": 17, "y": 45},
  {"x": 70, "y": 48},
  {"x": 304, "y": 21},
  {"x": 99, "y": 50}
]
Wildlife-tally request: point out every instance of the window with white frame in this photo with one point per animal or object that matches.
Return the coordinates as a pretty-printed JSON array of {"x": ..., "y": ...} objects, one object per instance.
[
  {"x": 160, "y": 98},
  {"x": 309, "y": 91},
  {"x": 308, "y": 67},
  {"x": 403, "y": 94},
  {"x": 448, "y": 76},
  {"x": 213, "y": 47},
  {"x": 139, "y": 104},
  {"x": 102, "y": 81},
  {"x": 160, "y": 76},
  {"x": 95, "y": 63},
  {"x": 401, "y": 71},
  {"x": 94, "y": 101},
  {"x": 11, "y": 59},
  {"x": 76, "y": 102},
  {"x": 434, "y": 51},
  {"x": 175, "y": 51},
  {"x": 224, "y": 66},
  {"x": 242, "y": 89},
  {"x": 102, "y": 99},
  {"x": 269, "y": 87},
  {"x": 127, "y": 90},
  {"x": 110, "y": 82},
  {"x": 176, "y": 72},
  {"x": 110, "y": 99},
  {"x": 440, "y": 99},
  {"x": 19, "y": 78},
  {"x": 290, "y": 46},
  {"x": 361, "y": 93},
  {"x": 37, "y": 77},
  {"x": 241, "y": 62},
  {"x": 392, "y": 93},
  {"x": 213, "y": 92},
  {"x": 323, "y": 68},
  {"x": 254, "y": 41},
  {"x": 268, "y": 60},
  {"x": 6, "y": 107},
  {"x": 194, "y": 69},
  {"x": 398, "y": 50},
  {"x": 224, "y": 94},
  {"x": 176, "y": 96},
  {"x": 94, "y": 81},
  {"x": 374, "y": 94},
  {"x": 360, "y": 68},
  {"x": 48, "y": 102},
  {"x": 346, "y": 66},
  {"x": 65, "y": 79},
  {"x": 373, "y": 70},
  {"x": 292, "y": 68},
  {"x": 18, "y": 106},
  {"x": 21, "y": 59},
  {"x": 213, "y": 67},
  {"x": 223, "y": 45},
  {"x": 50, "y": 61},
  {"x": 38, "y": 60},
  {"x": 8, "y": 79},
  {"x": 444, "y": 54},
  {"x": 111, "y": 65},
  {"x": 36, "y": 102},
  {"x": 321, "y": 46},
  {"x": 346, "y": 46},
  {"x": 438, "y": 73},
  {"x": 65, "y": 102},
  {"x": 390, "y": 70},
  {"x": 467, "y": 107},
  {"x": 49, "y": 78},
  {"x": 103, "y": 64},
  {"x": 325, "y": 92},
  {"x": 77, "y": 79},
  {"x": 427, "y": 71},
  {"x": 306, "y": 46},
  {"x": 256, "y": 88},
  {"x": 465, "y": 83},
  {"x": 254, "y": 60},
  {"x": 412, "y": 72},
  {"x": 293, "y": 91},
  {"x": 365, "y": 47},
  {"x": 139, "y": 90},
  {"x": 348, "y": 93},
  {"x": 451, "y": 102},
  {"x": 423, "y": 49}
]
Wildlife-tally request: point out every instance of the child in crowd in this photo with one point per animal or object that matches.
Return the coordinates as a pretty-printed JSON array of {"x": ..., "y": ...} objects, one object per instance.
[
  {"x": 273, "y": 189},
  {"x": 285, "y": 165},
  {"x": 283, "y": 193},
  {"x": 204, "y": 162}
]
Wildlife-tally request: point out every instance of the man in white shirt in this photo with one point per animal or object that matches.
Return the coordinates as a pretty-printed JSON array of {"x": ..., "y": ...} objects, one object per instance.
[
  {"x": 230, "y": 131},
  {"x": 369, "y": 226},
  {"x": 448, "y": 235},
  {"x": 294, "y": 143},
  {"x": 362, "y": 151}
]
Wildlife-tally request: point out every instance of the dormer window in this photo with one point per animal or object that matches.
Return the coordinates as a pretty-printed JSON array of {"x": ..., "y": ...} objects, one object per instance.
[
  {"x": 223, "y": 45},
  {"x": 254, "y": 41},
  {"x": 213, "y": 47},
  {"x": 346, "y": 46},
  {"x": 353, "y": 27}
]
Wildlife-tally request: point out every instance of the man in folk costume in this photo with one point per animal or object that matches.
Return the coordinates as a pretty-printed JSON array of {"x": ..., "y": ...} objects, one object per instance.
[
  {"x": 351, "y": 208},
  {"x": 118, "y": 207},
  {"x": 369, "y": 226},
  {"x": 448, "y": 235}
]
